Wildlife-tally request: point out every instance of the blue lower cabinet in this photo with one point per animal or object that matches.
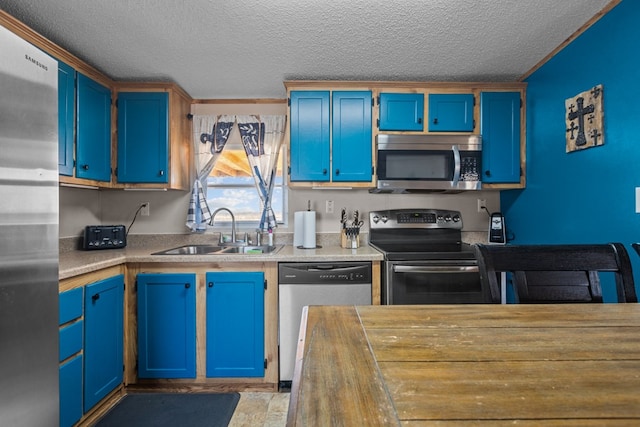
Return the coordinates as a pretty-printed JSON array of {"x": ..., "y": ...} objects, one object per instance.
[
  {"x": 71, "y": 391},
  {"x": 103, "y": 338},
  {"x": 70, "y": 305},
  {"x": 70, "y": 339},
  {"x": 235, "y": 324},
  {"x": 166, "y": 325},
  {"x": 71, "y": 344}
]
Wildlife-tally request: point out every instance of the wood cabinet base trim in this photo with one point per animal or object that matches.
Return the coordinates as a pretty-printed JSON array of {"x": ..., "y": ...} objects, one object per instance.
[
  {"x": 102, "y": 407},
  {"x": 220, "y": 385}
]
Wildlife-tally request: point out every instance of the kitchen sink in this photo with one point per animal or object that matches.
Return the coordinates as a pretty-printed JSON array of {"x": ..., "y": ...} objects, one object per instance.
[
  {"x": 191, "y": 250},
  {"x": 264, "y": 249},
  {"x": 218, "y": 250}
]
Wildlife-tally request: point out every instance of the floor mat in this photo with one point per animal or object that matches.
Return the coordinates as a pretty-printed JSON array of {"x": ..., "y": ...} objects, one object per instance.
[{"x": 172, "y": 409}]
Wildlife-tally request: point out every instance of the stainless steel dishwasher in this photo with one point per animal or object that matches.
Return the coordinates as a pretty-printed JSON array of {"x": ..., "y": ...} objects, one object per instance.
[{"x": 302, "y": 284}]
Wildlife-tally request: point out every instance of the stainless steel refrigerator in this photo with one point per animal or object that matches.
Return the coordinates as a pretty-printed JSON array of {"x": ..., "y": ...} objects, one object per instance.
[{"x": 28, "y": 234}]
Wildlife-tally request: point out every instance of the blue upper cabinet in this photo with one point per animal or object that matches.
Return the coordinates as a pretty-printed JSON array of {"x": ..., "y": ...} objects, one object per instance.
[
  {"x": 166, "y": 325},
  {"x": 310, "y": 136},
  {"x": 451, "y": 112},
  {"x": 93, "y": 127},
  {"x": 143, "y": 137},
  {"x": 351, "y": 141},
  {"x": 104, "y": 338},
  {"x": 401, "y": 112},
  {"x": 235, "y": 324},
  {"x": 500, "y": 130},
  {"x": 66, "y": 117},
  {"x": 330, "y": 136}
]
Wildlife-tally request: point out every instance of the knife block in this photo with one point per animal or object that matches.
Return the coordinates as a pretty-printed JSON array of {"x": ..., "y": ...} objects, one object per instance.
[{"x": 349, "y": 242}]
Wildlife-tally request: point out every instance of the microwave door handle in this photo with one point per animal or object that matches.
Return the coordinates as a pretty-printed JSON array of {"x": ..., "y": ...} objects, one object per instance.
[{"x": 456, "y": 167}]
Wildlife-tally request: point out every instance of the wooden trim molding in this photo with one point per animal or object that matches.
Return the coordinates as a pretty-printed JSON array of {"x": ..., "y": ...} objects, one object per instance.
[
  {"x": 241, "y": 101},
  {"x": 38, "y": 40},
  {"x": 399, "y": 84}
]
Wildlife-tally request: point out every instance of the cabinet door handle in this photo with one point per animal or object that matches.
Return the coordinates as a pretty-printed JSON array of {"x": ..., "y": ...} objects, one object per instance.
[
  {"x": 435, "y": 121},
  {"x": 85, "y": 167},
  {"x": 337, "y": 172},
  {"x": 324, "y": 171},
  {"x": 161, "y": 173},
  {"x": 487, "y": 173},
  {"x": 95, "y": 297},
  {"x": 211, "y": 284},
  {"x": 419, "y": 120},
  {"x": 187, "y": 285}
]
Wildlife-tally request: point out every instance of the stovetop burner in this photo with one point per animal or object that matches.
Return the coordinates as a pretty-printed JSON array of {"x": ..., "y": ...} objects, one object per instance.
[{"x": 412, "y": 234}]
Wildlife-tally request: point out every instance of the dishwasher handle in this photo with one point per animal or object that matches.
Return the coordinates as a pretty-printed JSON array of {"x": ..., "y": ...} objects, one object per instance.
[{"x": 435, "y": 269}]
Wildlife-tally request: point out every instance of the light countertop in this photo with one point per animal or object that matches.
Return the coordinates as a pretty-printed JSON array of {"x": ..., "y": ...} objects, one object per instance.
[{"x": 74, "y": 262}]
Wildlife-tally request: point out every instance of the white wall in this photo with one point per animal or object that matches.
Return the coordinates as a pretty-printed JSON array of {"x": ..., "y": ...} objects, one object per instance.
[
  {"x": 168, "y": 209},
  {"x": 365, "y": 202}
]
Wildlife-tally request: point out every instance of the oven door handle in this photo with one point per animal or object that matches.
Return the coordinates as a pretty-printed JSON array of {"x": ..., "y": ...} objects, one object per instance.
[
  {"x": 456, "y": 165},
  {"x": 435, "y": 269}
]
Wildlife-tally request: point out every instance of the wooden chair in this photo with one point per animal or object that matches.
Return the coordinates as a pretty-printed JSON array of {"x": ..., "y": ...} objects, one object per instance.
[{"x": 557, "y": 273}]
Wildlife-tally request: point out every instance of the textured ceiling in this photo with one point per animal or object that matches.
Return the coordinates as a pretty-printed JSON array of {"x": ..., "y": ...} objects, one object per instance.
[{"x": 246, "y": 48}]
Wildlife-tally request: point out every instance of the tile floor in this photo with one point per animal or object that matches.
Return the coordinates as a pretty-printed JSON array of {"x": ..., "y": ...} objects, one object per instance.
[{"x": 261, "y": 409}]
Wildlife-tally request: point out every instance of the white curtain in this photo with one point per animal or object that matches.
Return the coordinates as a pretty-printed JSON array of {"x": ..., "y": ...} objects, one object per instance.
[
  {"x": 210, "y": 134},
  {"x": 262, "y": 138}
]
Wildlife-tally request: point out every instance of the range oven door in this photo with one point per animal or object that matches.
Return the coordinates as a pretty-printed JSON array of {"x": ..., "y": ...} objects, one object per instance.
[{"x": 433, "y": 282}]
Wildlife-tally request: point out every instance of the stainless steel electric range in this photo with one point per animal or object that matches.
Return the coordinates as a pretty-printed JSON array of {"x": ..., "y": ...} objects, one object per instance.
[{"x": 426, "y": 261}]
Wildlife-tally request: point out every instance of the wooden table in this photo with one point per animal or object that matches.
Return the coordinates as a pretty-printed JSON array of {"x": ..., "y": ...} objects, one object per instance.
[{"x": 480, "y": 365}]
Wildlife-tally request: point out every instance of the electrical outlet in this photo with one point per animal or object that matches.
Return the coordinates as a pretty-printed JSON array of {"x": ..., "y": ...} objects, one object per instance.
[
  {"x": 482, "y": 205},
  {"x": 145, "y": 209},
  {"x": 329, "y": 207}
]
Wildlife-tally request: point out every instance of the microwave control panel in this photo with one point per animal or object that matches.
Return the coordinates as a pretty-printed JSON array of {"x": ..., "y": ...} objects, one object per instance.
[{"x": 469, "y": 168}]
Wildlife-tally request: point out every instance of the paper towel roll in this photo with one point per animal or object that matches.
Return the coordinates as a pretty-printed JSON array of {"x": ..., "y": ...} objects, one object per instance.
[
  {"x": 298, "y": 228},
  {"x": 309, "y": 227}
]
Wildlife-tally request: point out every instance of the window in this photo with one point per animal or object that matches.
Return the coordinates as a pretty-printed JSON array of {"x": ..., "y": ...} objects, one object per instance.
[{"x": 231, "y": 185}]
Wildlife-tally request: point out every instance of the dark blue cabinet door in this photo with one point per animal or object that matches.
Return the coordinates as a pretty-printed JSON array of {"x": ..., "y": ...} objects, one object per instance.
[
  {"x": 401, "y": 111},
  {"x": 310, "y": 136},
  {"x": 103, "y": 340},
  {"x": 143, "y": 137},
  {"x": 500, "y": 130},
  {"x": 66, "y": 117},
  {"x": 93, "y": 127},
  {"x": 166, "y": 325},
  {"x": 451, "y": 112},
  {"x": 351, "y": 142},
  {"x": 235, "y": 324}
]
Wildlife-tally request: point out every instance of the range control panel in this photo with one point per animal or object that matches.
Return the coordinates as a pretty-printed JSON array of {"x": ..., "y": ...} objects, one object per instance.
[
  {"x": 416, "y": 218},
  {"x": 104, "y": 237}
]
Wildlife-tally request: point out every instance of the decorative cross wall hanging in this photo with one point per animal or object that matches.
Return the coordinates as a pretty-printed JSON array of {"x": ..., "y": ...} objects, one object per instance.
[{"x": 585, "y": 120}]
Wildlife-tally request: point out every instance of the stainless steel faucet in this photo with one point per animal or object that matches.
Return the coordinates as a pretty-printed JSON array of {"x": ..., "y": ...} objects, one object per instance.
[{"x": 233, "y": 223}]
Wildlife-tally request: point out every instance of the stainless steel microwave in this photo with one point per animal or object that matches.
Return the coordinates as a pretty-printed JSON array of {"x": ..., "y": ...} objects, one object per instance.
[{"x": 440, "y": 163}]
